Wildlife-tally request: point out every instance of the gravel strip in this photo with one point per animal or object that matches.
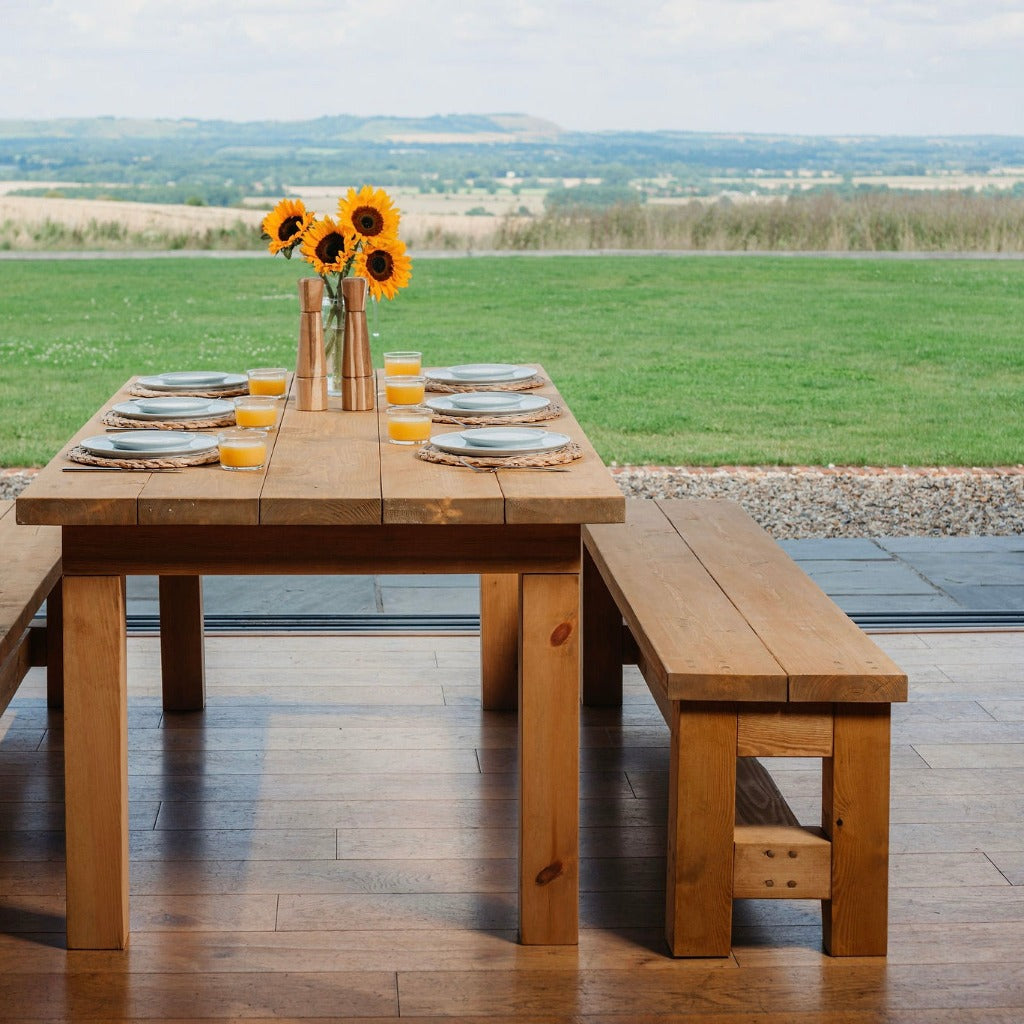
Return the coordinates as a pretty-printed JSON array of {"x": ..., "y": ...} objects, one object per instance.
[
  {"x": 808, "y": 501},
  {"x": 815, "y": 501}
]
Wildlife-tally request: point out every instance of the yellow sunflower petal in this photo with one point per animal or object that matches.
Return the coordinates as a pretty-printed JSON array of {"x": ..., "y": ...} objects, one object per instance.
[
  {"x": 369, "y": 214},
  {"x": 326, "y": 247},
  {"x": 285, "y": 224},
  {"x": 386, "y": 268}
]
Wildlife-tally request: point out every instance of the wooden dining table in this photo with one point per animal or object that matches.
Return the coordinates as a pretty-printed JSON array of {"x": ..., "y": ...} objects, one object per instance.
[{"x": 333, "y": 498}]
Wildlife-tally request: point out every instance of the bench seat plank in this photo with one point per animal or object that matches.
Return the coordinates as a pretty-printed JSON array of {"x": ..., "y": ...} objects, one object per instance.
[
  {"x": 824, "y": 653},
  {"x": 30, "y": 556},
  {"x": 710, "y": 652}
]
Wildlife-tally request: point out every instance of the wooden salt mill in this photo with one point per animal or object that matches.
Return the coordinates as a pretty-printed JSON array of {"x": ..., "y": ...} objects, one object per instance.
[
  {"x": 358, "y": 385},
  {"x": 311, "y": 364}
]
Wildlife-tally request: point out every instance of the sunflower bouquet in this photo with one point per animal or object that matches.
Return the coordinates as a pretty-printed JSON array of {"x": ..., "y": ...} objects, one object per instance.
[{"x": 361, "y": 241}]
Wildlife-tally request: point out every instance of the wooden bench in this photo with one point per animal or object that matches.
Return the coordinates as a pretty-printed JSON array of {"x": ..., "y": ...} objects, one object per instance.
[
  {"x": 29, "y": 575},
  {"x": 746, "y": 657}
]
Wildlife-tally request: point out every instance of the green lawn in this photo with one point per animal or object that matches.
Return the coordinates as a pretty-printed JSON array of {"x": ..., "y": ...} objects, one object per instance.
[{"x": 664, "y": 360}]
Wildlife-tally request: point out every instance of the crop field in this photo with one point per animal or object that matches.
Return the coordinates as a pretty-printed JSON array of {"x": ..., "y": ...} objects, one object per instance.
[{"x": 665, "y": 360}]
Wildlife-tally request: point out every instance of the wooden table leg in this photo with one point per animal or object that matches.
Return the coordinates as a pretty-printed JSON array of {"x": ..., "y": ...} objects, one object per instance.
[
  {"x": 549, "y": 717},
  {"x": 182, "y": 658},
  {"x": 602, "y": 640},
  {"x": 855, "y": 816},
  {"x": 96, "y": 761},
  {"x": 499, "y": 641},
  {"x": 701, "y": 823}
]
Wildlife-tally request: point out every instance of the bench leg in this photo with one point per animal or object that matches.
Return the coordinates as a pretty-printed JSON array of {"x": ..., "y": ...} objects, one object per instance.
[
  {"x": 602, "y": 640},
  {"x": 182, "y": 658},
  {"x": 549, "y": 760},
  {"x": 855, "y": 816},
  {"x": 499, "y": 641},
  {"x": 701, "y": 821},
  {"x": 55, "y": 647},
  {"x": 96, "y": 762}
]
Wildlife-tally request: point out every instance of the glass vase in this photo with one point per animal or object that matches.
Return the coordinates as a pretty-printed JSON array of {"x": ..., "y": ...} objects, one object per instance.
[{"x": 333, "y": 312}]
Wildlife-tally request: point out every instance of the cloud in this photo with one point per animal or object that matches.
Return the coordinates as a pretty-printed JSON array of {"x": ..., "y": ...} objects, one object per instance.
[{"x": 837, "y": 66}]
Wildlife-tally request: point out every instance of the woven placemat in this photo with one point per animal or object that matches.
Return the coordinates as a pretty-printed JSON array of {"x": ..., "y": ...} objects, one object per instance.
[
  {"x": 113, "y": 419},
  {"x": 513, "y": 385},
  {"x": 79, "y": 454},
  {"x": 549, "y": 412},
  {"x": 570, "y": 453},
  {"x": 140, "y": 392}
]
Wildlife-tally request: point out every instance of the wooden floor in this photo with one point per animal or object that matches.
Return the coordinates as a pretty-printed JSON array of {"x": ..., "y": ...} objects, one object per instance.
[{"x": 334, "y": 838}]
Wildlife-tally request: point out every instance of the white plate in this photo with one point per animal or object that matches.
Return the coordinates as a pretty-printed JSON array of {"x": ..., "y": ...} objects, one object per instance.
[
  {"x": 139, "y": 444},
  {"x": 483, "y": 371},
  {"x": 197, "y": 380},
  {"x": 480, "y": 373},
  {"x": 456, "y": 444},
  {"x": 486, "y": 403},
  {"x": 504, "y": 437},
  {"x": 173, "y": 408}
]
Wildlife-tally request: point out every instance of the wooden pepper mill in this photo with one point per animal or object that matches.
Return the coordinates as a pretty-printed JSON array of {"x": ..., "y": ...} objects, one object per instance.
[
  {"x": 311, "y": 364},
  {"x": 358, "y": 385}
]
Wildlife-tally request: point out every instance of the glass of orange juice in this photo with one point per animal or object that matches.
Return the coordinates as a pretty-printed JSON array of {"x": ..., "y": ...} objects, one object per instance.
[
  {"x": 398, "y": 364},
  {"x": 404, "y": 389},
  {"x": 267, "y": 380},
  {"x": 256, "y": 411},
  {"x": 242, "y": 449},
  {"x": 408, "y": 424}
]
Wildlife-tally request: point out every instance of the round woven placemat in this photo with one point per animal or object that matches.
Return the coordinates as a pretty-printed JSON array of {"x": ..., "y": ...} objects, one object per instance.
[
  {"x": 79, "y": 454},
  {"x": 140, "y": 392},
  {"x": 549, "y": 412},
  {"x": 113, "y": 419},
  {"x": 529, "y": 384},
  {"x": 570, "y": 453}
]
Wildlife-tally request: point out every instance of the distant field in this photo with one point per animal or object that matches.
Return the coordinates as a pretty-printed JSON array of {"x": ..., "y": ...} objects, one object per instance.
[
  {"x": 665, "y": 360},
  {"x": 517, "y": 218}
]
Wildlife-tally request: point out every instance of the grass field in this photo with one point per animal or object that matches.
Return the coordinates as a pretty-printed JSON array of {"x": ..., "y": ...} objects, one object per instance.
[{"x": 698, "y": 360}]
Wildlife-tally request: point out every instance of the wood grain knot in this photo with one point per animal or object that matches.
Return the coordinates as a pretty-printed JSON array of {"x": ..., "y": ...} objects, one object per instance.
[
  {"x": 560, "y": 634},
  {"x": 549, "y": 874}
]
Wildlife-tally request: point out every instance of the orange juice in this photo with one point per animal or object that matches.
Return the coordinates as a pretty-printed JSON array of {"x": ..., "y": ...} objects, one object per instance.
[
  {"x": 402, "y": 364},
  {"x": 256, "y": 411},
  {"x": 268, "y": 381},
  {"x": 404, "y": 390},
  {"x": 242, "y": 449},
  {"x": 408, "y": 424}
]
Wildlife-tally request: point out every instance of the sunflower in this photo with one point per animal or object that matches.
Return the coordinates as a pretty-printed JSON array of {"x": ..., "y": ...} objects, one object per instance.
[
  {"x": 369, "y": 214},
  {"x": 285, "y": 224},
  {"x": 385, "y": 267},
  {"x": 326, "y": 247}
]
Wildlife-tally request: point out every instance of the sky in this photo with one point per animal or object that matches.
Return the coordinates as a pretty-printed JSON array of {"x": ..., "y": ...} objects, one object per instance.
[{"x": 806, "y": 67}]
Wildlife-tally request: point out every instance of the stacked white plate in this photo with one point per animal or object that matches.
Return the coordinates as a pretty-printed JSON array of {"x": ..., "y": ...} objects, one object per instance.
[
  {"x": 149, "y": 444},
  {"x": 173, "y": 408},
  {"x": 193, "y": 380},
  {"x": 501, "y": 441},
  {"x": 487, "y": 403},
  {"x": 480, "y": 373}
]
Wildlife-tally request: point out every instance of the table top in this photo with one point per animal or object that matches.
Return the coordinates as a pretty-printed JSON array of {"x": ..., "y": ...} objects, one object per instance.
[{"x": 327, "y": 468}]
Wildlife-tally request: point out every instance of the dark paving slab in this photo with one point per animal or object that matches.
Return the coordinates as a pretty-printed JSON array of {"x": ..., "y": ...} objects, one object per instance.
[
  {"x": 977, "y": 568},
  {"x": 949, "y": 545},
  {"x": 863, "y": 577},
  {"x": 989, "y": 599},
  {"x": 810, "y": 548}
]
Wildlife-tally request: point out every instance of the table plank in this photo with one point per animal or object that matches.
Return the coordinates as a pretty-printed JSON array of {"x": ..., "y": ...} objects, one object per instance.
[
  {"x": 56, "y": 498},
  {"x": 325, "y": 469},
  {"x": 414, "y": 491},
  {"x": 586, "y": 494}
]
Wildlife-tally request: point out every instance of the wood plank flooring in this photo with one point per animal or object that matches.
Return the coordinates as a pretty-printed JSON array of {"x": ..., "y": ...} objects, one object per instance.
[{"x": 335, "y": 839}]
